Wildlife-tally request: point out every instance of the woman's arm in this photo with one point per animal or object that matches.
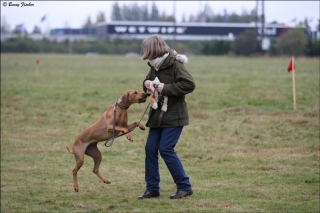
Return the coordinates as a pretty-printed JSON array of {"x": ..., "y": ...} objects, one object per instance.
[{"x": 184, "y": 83}]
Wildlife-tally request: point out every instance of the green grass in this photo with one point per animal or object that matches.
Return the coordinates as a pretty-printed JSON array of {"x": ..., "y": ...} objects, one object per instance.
[{"x": 245, "y": 150}]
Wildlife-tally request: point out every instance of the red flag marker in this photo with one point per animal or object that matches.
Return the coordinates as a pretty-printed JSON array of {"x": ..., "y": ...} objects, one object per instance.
[
  {"x": 37, "y": 65},
  {"x": 291, "y": 66}
]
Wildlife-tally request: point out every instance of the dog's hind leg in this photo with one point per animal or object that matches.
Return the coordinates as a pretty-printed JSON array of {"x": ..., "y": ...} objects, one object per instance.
[
  {"x": 93, "y": 151},
  {"x": 78, "y": 151}
]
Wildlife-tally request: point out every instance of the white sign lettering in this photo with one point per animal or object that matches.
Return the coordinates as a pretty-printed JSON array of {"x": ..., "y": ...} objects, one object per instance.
[
  {"x": 180, "y": 30},
  {"x": 142, "y": 29},
  {"x": 268, "y": 31},
  {"x": 132, "y": 29},
  {"x": 170, "y": 29},
  {"x": 120, "y": 29},
  {"x": 152, "y": 30}
]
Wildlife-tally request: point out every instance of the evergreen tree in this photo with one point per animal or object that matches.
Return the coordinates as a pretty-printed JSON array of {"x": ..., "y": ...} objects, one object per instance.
[
  {"x": 88, "y": 23},
  {"x": 144, "y": 13},
  {"x": 207, "y": 13},
  {"x": 233, "y": 18},
  {"x": 100, "y": 17},
  {"x": 131, "y": 12},
  {"x": 154, "y": 12},
  {"x": 116, "y": 12},
  {"x": 36, "y": 30},
  {"x": 183, "y": 18}
]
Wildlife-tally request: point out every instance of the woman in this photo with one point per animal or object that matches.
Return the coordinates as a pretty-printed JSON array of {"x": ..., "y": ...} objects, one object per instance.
[{"x": 166, "y": 127}]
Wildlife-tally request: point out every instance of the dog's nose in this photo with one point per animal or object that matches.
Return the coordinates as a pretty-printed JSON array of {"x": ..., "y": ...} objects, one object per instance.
[{"x": 146, "y": 94}]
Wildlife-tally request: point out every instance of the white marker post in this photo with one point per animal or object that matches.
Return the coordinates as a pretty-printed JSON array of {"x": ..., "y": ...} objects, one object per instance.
[{"x": 291, "y": 68}]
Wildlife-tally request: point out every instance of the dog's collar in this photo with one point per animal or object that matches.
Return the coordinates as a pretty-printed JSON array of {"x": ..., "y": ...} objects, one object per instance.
[{"x": 122, "y": 107}]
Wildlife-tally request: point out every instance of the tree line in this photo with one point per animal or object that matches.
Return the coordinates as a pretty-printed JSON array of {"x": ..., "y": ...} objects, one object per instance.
[
  {"x": 293, "y": 42},
  {"x": 134, "y": 12},
  {"x": 131, "y": 12}
]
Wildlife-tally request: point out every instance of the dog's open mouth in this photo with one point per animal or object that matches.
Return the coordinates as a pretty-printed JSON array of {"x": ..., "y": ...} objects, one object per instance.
[{"x": 142, "y": 100}]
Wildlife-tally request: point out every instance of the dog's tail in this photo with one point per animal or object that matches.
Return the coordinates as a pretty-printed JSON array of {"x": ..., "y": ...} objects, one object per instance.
[{"x": 69, "y": 150}]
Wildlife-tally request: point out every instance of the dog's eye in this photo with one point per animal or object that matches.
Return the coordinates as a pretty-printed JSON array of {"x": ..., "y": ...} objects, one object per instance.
[{"x": 135, "y": 92}]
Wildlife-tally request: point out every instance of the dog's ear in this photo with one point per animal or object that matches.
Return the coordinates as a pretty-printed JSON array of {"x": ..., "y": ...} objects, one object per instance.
[{"x": 124, "y": 97}]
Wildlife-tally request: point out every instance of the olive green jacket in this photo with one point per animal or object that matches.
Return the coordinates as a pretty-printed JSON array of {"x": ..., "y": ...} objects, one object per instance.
[{"x": 177, "y": 83}]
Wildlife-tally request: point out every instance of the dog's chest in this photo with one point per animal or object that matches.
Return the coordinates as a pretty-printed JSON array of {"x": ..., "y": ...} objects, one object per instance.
[{"x": 122, "y": 119}]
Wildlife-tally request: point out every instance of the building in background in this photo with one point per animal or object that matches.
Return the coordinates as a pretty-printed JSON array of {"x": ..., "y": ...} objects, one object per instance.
[
  {"x": 85, "y": 34},
  {"x": 182, "y": 31},
  {"x": 168, "y": 30}
]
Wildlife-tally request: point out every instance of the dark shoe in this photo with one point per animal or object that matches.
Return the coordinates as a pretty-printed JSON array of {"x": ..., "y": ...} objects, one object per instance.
[
  {"x": 148, "y": 194},
  {"x": 181, "y": 194}
]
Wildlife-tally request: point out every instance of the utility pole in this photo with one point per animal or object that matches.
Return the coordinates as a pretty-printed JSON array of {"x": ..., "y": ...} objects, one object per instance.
[
  {"x": 255, "y": 28},
  {"x": 70, "y": 41},
  {"x": 262, "y": 22},
  {"x": 174, "y": 26},
  {"x": 259, "y": 23}
]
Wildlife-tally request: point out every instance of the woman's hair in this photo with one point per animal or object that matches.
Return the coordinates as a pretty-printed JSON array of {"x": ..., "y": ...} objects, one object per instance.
[{"x": 154, "y": 47}]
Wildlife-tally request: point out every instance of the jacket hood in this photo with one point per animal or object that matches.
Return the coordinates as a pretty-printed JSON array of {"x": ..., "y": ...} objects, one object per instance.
[
  {"x": 182, "y": 58},
  {"x": 170, "y": 60}
]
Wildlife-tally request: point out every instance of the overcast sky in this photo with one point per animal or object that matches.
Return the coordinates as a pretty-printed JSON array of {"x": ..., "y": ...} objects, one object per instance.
[{"x": 73, "y": 14}]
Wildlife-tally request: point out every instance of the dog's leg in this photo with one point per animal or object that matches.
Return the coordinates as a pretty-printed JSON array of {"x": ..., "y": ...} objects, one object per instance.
[
  {"x": 153, "y": 102},
  {"x": 93, "y": 151},
  {"x": 134, "y": 124},
  {"x": 121, "y": 129},
  {"x": 78, "y": 151},
  {"x": 165, "y": 103}
]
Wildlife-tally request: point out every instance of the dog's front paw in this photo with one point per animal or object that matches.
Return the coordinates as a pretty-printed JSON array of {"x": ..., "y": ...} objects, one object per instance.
[
  {"x": 76, "y": 188},
  {"x": 141, "y": 127},
  {"x": 129, "y": 137},
  {"x": 155, "y": 106}
]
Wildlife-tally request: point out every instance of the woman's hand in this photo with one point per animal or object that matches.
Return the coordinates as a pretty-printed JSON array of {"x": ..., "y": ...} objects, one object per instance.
[
  {"x": 147, "y": 84},
  {"x": 159, "y": 88}
]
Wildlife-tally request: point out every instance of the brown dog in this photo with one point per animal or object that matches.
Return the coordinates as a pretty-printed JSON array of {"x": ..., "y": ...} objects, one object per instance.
[{"x": 102, "y": 130}]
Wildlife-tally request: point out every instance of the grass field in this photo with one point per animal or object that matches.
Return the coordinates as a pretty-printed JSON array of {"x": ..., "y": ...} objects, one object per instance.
[{"x": 245, "y": 150}]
